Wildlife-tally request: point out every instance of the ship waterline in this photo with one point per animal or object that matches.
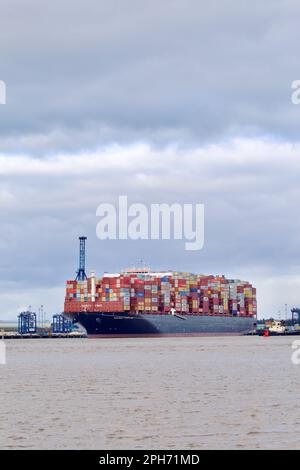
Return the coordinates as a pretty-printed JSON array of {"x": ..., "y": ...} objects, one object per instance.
[{"x": 116, "y": 324}]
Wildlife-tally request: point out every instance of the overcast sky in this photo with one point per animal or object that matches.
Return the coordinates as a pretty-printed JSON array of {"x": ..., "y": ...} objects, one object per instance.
[{"x": 183, "y": 101}]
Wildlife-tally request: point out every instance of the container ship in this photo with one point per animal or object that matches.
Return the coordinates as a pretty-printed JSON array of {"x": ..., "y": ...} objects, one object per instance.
[{"x": 143, "y": 302}]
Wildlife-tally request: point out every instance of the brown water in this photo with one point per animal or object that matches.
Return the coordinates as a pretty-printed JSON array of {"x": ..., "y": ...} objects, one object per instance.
[{"x": 190, "y": 393}]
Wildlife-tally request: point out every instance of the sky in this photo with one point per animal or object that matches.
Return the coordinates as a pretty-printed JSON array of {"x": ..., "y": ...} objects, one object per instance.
[{"x": 175, "y": 101}]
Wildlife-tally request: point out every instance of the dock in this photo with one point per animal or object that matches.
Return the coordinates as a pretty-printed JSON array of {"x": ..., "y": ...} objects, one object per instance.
[{"x": 48, "y": 335}]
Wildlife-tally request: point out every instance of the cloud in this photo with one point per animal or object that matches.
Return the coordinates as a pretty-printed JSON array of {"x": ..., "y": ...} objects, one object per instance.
[
  {"x": 22, "y": 299},
  {"x": 168, "y": 101},
  {"x": 103, "y": 72},
  {"x": 6, "y": 197},
  {"x": 249, "y": 188}
]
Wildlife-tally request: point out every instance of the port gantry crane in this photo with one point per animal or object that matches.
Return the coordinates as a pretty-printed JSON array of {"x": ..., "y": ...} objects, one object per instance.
[
  {"x": 297, "y": 311},
  {"x": 81, "y": 275}
]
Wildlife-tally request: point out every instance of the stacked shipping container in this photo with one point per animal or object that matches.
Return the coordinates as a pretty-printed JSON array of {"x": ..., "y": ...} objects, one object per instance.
[{"x": 157, "y": 293}]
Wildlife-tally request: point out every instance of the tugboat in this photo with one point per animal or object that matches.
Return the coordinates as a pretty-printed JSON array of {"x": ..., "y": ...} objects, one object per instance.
[
  {"x": 277, "y": 328},
  {"x": 280, "y": 328}
]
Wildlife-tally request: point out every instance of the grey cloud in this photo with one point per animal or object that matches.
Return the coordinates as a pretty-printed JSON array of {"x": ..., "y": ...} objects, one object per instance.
[
  {"x": 202, "y": 88},
  {"x": 251, "y": 209},
  {"x": 142, "y": 70}
]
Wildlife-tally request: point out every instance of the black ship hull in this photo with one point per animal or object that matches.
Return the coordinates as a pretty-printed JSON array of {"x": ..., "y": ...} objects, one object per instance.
[{"x": 116, "y": 324}]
